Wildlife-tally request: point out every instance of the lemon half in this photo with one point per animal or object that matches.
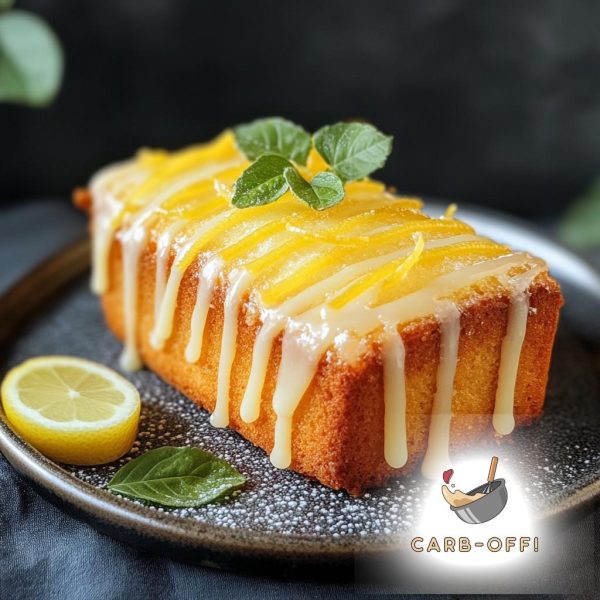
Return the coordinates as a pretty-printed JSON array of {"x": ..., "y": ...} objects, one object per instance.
[{"x": 72, "y": 410}]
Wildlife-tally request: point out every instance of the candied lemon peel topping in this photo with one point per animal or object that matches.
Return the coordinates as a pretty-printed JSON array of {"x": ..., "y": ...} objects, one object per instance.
[
  {"x": 319, "y": 279},
  {"x": 195, "y": 186}
]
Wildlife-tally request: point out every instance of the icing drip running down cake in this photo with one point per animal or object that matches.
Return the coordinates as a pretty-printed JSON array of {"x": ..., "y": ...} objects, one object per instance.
[{"x": 350, "y": 343}]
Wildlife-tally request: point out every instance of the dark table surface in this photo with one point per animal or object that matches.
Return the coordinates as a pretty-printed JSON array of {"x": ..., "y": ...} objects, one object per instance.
[{"x": 44, "y": 553}]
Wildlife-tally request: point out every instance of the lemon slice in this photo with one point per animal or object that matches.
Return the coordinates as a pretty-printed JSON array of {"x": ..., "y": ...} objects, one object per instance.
[{"x": 72, "y": 410}]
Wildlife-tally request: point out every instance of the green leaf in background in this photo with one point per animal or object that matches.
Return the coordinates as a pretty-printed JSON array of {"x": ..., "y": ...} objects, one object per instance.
[
  {"x": 353, "y": 150},
  {"x": 580, "y": 227},
  {"x": 262, "y": 182},
  {"x": 176, "y": 477},
  {"x": 5, "y": 4},
  {"x": 31, "y": 59},
  {"x": 273, "y": 135},
  {"x": 325, "y": 189}
]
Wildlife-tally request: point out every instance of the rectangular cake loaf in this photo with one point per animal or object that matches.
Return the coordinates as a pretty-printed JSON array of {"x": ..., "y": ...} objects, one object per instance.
[{"x": 351, "y": 344}]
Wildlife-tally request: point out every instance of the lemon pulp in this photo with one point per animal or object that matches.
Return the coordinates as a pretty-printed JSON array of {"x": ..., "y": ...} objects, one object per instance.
[{"x": 72, "y": 410}]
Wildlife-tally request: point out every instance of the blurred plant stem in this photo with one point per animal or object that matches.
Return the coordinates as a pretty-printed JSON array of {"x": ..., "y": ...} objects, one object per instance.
[
  {"x": 31, "y": 58},
  {"x": 580, "y": 226}
]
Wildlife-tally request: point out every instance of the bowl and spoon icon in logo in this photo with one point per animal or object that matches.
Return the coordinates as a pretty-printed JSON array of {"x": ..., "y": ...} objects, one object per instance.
[{"x": 481, "y": 504}]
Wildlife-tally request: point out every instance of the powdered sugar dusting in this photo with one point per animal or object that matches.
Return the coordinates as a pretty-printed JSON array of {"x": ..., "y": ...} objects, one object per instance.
[
  {"x": 555, "y": 457},
  {"x": 272, "y": 500}
]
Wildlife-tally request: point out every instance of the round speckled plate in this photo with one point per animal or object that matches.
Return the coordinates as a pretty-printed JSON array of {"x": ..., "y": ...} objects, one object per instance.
[{"x": 282, "y": 522}]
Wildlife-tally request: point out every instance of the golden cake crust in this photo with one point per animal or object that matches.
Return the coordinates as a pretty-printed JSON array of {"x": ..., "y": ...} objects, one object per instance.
[{"x": 338, "y": 428}]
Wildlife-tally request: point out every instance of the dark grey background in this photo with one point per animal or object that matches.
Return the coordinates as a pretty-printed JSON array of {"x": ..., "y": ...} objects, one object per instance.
[{"x": 494, "y": 103}]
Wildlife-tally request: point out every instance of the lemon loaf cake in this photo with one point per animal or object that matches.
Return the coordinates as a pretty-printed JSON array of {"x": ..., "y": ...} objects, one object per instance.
[{"x": 351, "y": 340}]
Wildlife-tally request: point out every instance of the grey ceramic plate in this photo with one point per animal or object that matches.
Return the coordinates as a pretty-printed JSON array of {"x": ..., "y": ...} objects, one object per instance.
[{"x": 283, "y": 522}]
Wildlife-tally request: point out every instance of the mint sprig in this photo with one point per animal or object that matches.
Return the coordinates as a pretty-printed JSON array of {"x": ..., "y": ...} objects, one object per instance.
[{"x": 352, "y": 150}]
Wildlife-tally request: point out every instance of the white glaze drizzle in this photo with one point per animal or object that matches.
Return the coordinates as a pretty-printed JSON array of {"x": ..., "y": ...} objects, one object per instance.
[
  {"x": 132, "y": 243},
  {"x": 261, "y": 353},
  {"x": 239, "y": 282},
  {"x": 503, "y": 419},
  {"x": 323, "y": 323},
  {"x": 204, "y": 293},
  {"x": 296, "y": 371},
  {"x": 163, "y": 251},
  {"x": 310, "y": 326},
  {"x": 105, "y": 188},
  {"x": 133, "y": 239},
  {"x": 153, "y": 202},
  {"x": 394, "y": 390},
  {"x": 437, "y": 455},
  {"x": 315, "y": 330},
  {"x": 274, "y": 320},
  {"x": 164, "y": 324}
]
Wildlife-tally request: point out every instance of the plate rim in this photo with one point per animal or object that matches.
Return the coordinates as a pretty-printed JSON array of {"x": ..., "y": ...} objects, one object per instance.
[
  {"x": 57, "y": 272},
  {"x": 116, "y": 510},
  {"x": 17, "y": 305}
]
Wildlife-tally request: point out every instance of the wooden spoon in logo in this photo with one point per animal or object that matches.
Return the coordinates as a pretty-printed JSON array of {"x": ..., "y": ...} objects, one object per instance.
[{"x": 491, "y": 476}]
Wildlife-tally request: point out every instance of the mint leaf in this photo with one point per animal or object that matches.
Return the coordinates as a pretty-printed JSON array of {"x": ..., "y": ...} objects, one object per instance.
[
  {"x": 301, "y": 188},
  {"x": 353, "y": 150},
  {"x": 329, "y": 189},
  {"x": 273, "y": 135},
  {"x": 31, "y": 59},
  {"x": 177, "y": 477},
  {"x": 325, "y": 190},
  {"x": 262, "y": 182},
  {"x": 580, "y": 227}
]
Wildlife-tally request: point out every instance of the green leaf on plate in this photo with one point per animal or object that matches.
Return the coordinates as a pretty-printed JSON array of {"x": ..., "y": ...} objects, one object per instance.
[
  {"x": 353, "y": 150},
  {"x": 5, "y": 4},
  {"x": 273, "y": 135},
  {"x": 262, "y": 182},
  {"x": 176, "y": 477},
  {"x": 580, "y": 227},
  {"x": 31, "y": 60},
  {"x": 325, "y": 190}
]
